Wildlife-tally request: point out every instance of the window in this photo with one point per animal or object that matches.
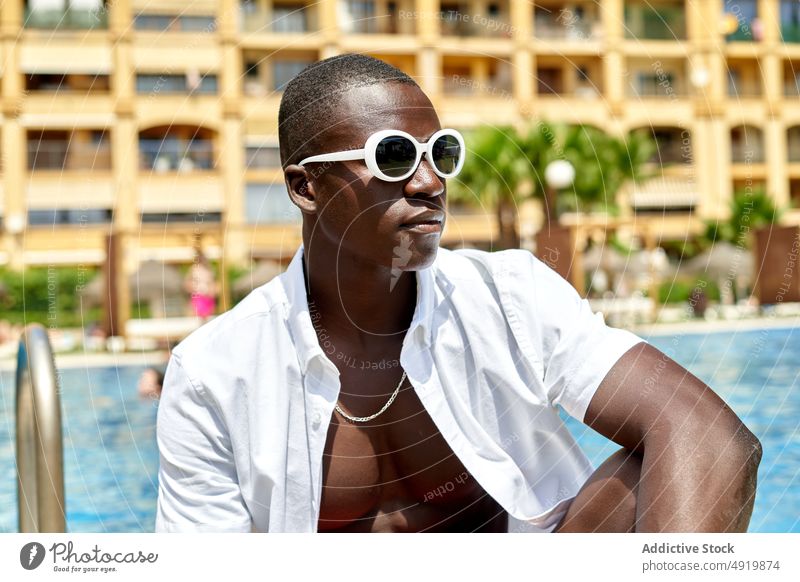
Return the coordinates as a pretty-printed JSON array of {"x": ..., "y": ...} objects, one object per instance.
[
  {"x": 251, "y": 70},
  {"x": 174, "y": 23},
  {"x": 66, "y": 217},
  {"x": 358, "y": 16},
  {"x": 167, "y": 218},
  {"x": 258, "y": 157},
  {"x": 147, "y": 83},
  {"x": 267, "y": 203},
  {"x": 790, "y": 20},
  {"x": 743, "y": 14},
  {"x": 285, "y": 71},
  {"x": 289, "y": 18},
  {"x": 66, "y": 14},
  {"x": 549, "y": 81},
  {"x": 655, "y": 85},
  {"x": 72, "y": 83}
]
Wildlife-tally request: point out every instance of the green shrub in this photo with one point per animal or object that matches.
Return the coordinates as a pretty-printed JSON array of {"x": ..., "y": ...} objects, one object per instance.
[{"x": 680, "y": 291}]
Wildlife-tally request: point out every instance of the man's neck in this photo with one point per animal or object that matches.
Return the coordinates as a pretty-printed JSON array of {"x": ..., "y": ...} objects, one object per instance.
[{"x": 362, "y": 302}]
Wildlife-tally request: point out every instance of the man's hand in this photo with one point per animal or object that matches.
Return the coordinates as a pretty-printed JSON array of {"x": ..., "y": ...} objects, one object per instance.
[{"x": 698, "y": 460}]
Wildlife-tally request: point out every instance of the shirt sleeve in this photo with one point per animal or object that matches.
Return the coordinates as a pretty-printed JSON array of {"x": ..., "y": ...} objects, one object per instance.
[
  {"x": 198, "y": 489},
  {"x": 578, "y": 348}
]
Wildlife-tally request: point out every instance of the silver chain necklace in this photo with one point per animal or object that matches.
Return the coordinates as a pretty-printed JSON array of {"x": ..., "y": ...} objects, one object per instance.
[
  {"x": 311, "y": 303},
  {"x": 381, "y": 411}
]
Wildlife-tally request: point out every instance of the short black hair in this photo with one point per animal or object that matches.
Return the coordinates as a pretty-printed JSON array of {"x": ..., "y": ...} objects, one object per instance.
[{"x": 314, "y": 95}]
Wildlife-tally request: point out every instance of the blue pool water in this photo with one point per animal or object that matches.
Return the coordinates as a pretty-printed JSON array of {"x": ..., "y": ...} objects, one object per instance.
[
  {"x": 111, "y": 460},
  {"x": 110, "y": 455}
]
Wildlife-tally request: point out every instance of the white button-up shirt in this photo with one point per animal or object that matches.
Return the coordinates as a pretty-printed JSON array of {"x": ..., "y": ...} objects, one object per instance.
[{"x": 497, "y": 340}]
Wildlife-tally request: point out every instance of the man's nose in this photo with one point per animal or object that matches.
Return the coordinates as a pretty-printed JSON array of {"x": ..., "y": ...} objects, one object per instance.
[{"x": 424, "y": 182}]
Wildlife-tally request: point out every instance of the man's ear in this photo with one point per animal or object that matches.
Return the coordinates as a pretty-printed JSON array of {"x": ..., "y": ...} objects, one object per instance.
[{"x": 300, "y": 188}]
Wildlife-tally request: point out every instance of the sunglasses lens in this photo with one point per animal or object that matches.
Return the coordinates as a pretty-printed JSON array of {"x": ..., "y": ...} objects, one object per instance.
[
  {"x": 446, "y": 153},
  {"x": 395, "y": 156}
]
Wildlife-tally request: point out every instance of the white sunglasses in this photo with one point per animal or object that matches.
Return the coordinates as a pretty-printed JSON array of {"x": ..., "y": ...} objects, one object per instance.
[{"x": 394, "y": 155}]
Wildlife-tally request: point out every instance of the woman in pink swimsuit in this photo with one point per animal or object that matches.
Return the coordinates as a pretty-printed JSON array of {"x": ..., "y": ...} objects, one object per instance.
[{"x": 203, "y": 288}]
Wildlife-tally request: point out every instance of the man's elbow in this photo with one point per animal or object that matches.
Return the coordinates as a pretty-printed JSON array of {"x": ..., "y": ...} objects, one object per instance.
[{"x": 740, "y": 452}]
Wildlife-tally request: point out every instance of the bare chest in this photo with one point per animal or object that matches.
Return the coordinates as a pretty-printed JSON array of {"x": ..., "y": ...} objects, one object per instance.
[{"x": 396, "y": 472}]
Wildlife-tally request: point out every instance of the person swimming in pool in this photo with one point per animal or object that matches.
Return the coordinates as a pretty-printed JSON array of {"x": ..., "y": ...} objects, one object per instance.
[{"x": 385, "y": 384}]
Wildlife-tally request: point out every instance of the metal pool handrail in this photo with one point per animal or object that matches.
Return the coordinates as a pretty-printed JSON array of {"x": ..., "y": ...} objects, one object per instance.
[{"x": 40, "y": 458}]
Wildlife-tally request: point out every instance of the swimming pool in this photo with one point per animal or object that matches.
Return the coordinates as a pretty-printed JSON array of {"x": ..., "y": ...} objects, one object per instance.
[
  {"x": 110, "y": 455},
  {"x": 111, "y": 459}
]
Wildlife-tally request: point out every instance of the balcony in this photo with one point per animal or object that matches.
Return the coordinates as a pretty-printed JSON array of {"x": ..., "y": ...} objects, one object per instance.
[
  {"x": 283, "y": 18},
  {"x": 176, "y": 155},
  {"x": 744, "y": 79},
  {"x": 191, "y": 83},
  {"x": 480, "y": 77},
  {"x": 369, "y": 17},
  {"x": 262, "y": 157},
  {"x": 747, "y": 145},
  {"x": 665, "y": 78},
  {"x": 74, "y": 84},
  {"x": 268, "y": 72},
  {"x": 65, "y": 152},
  {"x": 673, "y": 146},
  {"x": 174, "y": 23},
  {"x": 50, "y": 16},
  {"x": 655, "y": 20},
  {"x": 457, "y": 19},
  {"x": 569, "y": 77},
  {"x": 566, "y": 21}
]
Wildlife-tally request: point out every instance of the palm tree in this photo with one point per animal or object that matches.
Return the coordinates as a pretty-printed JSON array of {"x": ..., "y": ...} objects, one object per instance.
[
  {"x": 495, "y": 174},
  {"x": 504, "y": 167},
  {"x": 605, "y": 164},
  {"x": 748, "y": 211}
]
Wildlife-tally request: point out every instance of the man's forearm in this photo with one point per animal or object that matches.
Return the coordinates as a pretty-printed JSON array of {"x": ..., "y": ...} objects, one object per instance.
[{"x": 698, "y": 482}]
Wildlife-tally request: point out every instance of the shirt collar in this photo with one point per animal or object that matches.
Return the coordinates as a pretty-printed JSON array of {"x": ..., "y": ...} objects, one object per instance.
[{"x": 302, "y": 328}]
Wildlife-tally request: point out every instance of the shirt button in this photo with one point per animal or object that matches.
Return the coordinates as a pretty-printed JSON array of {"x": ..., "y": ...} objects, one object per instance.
[{"x": 316, "y": 420}]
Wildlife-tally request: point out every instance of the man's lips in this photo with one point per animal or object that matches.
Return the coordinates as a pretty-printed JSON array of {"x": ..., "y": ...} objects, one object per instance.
[
  {"x": 425, "y": 221},
  {"x": 428, "y": 227}
]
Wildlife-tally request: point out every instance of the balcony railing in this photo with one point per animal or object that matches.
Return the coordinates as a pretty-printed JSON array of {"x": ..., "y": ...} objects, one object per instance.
[
  {"x": 282, "y": 19},
  {"x": 68, "y": 156},
  {"x": 68, "y": 19},
  {"x": 564, "y": 24},
  {"x": 460, "y": 85},
  {"x": 663, "y": 84},
  {"x": 176, "y": 155},
  {"x": 455, "y": 23}
]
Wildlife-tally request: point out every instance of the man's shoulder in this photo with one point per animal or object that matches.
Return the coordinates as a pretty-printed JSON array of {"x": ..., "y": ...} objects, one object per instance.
[
  {"x": 488, "y": 266},
  {"x": 236, "y": 330}
]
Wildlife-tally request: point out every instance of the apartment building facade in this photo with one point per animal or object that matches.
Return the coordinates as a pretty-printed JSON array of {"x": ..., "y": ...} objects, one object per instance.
[{"x": 159, "y": 120}]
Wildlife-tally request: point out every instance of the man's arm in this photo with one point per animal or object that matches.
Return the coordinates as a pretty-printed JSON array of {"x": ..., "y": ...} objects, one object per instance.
[
  {"x": 198, "y": 489},
  {"x": 699, "y": 461}
]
